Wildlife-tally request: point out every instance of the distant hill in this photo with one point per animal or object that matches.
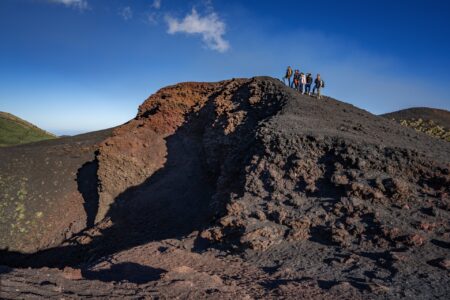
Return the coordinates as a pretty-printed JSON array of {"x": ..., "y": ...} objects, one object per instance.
[
  {"x": 439, "y": 116},
  {"x": 15, "y": 131},
  {"x": 432, "y": 121}
]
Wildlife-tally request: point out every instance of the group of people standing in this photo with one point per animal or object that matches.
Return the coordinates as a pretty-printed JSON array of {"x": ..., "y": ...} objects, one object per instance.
[{"x": 302, "y": 82}]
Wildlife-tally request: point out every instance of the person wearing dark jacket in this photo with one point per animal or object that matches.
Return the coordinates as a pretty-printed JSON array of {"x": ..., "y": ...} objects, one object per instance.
[
  {"x": 309, "y": 81},
  {"x": 318, "y": 84},
  {"x": 296, "y": 79}
]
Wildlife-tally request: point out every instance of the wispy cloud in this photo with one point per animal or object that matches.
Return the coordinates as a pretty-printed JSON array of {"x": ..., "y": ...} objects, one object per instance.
[
  {"x": 126, "y": 13},
  {"x": 79, "y": 4},
  {"x": 156, "y": 4},
  {"x": 152, "y": 18},
  {"x": 210, "y": 27}
]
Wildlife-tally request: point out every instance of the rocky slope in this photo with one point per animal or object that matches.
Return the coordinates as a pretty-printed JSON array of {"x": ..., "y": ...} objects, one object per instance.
[
  {"x": 46, "y": 191},
  {"x": 244, "y": 188},
  {"x": 431, "y": 121},
  {"x": 15, "y": 131},
  {"x": 439, "y": 116}
]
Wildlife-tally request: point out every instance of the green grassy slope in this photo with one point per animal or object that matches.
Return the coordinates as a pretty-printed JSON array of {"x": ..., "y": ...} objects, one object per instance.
[{"x": 15, "y": 131}]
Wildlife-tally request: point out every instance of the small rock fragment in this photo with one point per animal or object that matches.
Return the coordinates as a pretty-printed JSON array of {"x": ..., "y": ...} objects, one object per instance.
[{"x": 72, "y": 274}]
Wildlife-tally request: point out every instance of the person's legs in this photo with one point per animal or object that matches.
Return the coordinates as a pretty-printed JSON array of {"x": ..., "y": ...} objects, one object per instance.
[
  {"x": 318, "y": 93},
  {"x": 308, "y": 89},
  {"x": 289, "y": 79}
]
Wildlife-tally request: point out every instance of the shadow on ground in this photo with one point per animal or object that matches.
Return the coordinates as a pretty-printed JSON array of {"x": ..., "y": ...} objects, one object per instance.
[
  {"x": 128, "y": 271},
  {"x": 4, "y": 270},
  {"x": 87, "y": 181}
]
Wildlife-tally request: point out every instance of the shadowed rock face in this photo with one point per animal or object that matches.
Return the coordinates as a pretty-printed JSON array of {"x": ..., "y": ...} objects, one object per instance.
[
  {"x": 179, "y": 160},
  {"x": 304, "y": 190},
  {"x": 138, "y": 149}
]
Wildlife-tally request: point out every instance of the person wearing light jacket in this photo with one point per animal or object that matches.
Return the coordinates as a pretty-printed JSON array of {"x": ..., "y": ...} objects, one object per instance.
[
  {"x": 288, "y": 75},
  {"x": 302, "y": 83}
]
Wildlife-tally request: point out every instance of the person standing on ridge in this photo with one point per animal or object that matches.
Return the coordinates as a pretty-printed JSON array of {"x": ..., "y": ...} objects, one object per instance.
[
  {"x": 296, "y": 79},
  {"x": 318, "y": 84},
  {"x": 302, "y": 83},
  {"x": 288, "y": 75},
  {"x": 309, "y": 81}
]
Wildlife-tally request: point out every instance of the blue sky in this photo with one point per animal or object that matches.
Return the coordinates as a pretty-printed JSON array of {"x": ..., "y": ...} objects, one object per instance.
[{"x": 72, "y": 66}]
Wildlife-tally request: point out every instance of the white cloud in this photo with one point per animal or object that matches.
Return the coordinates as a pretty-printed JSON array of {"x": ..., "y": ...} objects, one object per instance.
[
  {"x": 156, "y": 4},
  {"x": 79, "y": 4},
  {"x": 210, "y": 27},
  {"x": 126, "y": 13}
]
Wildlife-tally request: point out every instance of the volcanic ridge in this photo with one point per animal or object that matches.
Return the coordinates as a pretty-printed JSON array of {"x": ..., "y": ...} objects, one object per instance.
[{"x": 241, "y": 188}]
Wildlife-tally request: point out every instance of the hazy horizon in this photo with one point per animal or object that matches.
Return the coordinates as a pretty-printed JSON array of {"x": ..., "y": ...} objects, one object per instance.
[{"x": 89, "y": 64}]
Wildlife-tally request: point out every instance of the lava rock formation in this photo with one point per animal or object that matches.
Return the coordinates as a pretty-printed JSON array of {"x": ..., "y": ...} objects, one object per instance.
[{"x": 268, "y": 192}]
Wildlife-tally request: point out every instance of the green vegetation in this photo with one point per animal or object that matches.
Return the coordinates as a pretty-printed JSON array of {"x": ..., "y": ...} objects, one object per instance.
[
  {"x": 15, "y": 131},
  {"x": 429, "y": 127},
  {"x": 19, "y": 215}
]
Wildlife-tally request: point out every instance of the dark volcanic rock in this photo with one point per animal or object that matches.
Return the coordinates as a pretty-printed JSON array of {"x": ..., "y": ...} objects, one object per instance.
[{"x": 319, "y": 197}]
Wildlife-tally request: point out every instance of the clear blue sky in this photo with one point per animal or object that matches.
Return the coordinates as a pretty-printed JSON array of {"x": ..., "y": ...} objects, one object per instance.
[{"x": 71, "y": 66}]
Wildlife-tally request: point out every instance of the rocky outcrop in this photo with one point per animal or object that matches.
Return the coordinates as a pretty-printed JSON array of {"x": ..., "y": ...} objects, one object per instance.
[
  {"x": 220, "y": 119},
  {"x": 138, "y": 149},
  {"x": 304, "y": 190}
]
